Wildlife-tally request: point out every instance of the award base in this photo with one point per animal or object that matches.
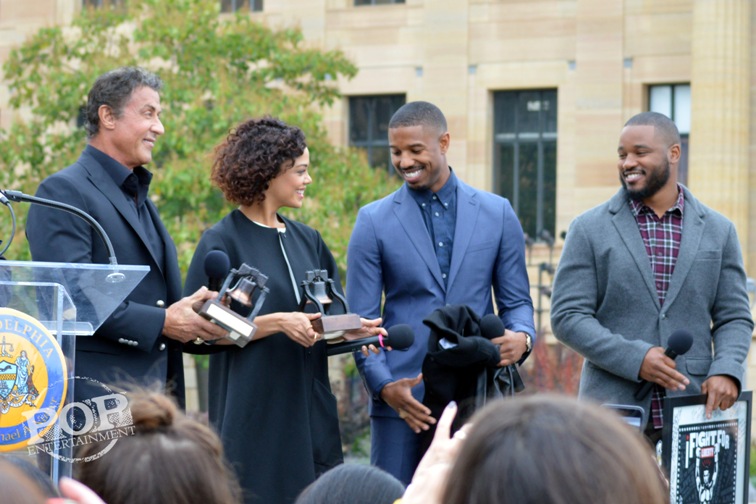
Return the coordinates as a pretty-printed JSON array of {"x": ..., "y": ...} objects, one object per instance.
[
  {"x": 240, "y": 330},
  {"x": 332, "y": 327}
]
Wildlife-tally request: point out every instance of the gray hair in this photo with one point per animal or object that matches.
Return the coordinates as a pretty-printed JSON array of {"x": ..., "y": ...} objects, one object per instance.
[{"x": 114, "y": 89}]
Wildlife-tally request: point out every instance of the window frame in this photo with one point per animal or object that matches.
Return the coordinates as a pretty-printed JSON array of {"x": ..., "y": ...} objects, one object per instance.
[
  {"x": 362, "y": 3},
  {"x": 240, "y": 5},
  {"x": 367, "y": 143},
  {"x": 546, "y": 143},
  {"x": 682, "y": 169}
]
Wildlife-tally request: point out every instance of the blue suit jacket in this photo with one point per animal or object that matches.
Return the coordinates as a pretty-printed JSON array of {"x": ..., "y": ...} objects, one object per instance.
[
  {"x": 390, "y": 253},
  {"x": 129, "y": 345}
]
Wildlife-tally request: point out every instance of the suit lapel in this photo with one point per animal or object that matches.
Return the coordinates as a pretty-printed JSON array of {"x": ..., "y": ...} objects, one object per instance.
[
  {"x": 408, "y": 214},
  {"x": 692, "y": 233},
  {"x": 105, "y": 184},
  {"x": 627, "y": 228},
  {"x": 467, "y": 215}
]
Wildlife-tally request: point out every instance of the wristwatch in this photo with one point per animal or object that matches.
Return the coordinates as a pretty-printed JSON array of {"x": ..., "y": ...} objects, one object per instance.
[{"x": 528, "y": 343}]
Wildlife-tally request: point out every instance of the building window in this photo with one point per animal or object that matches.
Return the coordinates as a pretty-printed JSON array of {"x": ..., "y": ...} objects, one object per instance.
[
  {"x": 368, "y": 126},
  {"x": 241, "y": 5},
  {"x": 377, "y": 2},
  {"x": 673, "y": 100},
  {"x": 97, "y": 4},
  {"x": 525, "y": 143}
]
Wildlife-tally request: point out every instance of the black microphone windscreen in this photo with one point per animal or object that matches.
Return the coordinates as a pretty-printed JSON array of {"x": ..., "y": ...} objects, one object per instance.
[
  {"x": 491, "y": 326},
  {"x": 400, "y": 336},
  {"x": 217, "y": 265},
  {"x": 680, "y": 341}
]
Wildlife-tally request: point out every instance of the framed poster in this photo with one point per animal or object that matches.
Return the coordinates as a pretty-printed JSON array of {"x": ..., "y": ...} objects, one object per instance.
[{"x": 707, "y": 459}]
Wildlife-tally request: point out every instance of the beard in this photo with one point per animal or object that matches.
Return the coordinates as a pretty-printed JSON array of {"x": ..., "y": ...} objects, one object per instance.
[{"x": 655, "y": 180}]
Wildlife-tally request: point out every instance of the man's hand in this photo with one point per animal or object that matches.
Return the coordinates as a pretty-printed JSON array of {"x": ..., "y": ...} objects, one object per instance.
[
  {"x": 512, "y": 346},
  {"x": 721, "y": 392},
  {"x": 398, "y": 395},
  {"x": 184, "y": 324},
  {"x": 370, "y": 327},
  {"x": 658, "y": 368}
]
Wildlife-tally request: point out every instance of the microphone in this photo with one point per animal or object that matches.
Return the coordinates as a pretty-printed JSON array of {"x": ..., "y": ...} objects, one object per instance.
[
  {"x": 491, "y": 326},
  {"x": 399, "y": 337},
  {"x": 505, "y": 378},
  {"x": 217, "y": 265},
  {"x": 17, "y": 196},
  {"x": 679, "y": 342}
]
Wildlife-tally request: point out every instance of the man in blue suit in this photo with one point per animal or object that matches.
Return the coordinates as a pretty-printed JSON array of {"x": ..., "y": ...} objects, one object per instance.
[
  {"x": 435, "y": 241},
  {"x": 141, "y": 342}
]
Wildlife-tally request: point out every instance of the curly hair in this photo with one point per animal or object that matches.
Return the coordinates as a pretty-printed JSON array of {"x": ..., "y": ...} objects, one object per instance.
[{"x": 253, "y": 154}]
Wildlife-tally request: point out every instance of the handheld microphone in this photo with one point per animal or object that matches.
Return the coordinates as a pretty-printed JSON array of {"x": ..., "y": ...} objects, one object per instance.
[
  {"x": 491, "y": 326},
  {"x": 679, "y": 342},
  {"x": 508, "y": 377},
  {"x": 217, "y": 265},
  {"x": 399, "y": 337}
]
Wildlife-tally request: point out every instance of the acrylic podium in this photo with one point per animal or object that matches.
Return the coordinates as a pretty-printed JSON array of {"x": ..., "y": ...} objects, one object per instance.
[{"x": 67, "y": 300}]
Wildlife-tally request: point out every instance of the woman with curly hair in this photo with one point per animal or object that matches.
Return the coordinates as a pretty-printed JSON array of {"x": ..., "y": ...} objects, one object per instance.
[{"x": 271, "y": 401}]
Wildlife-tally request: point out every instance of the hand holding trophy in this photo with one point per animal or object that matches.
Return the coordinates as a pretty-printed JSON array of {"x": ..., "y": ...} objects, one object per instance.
[{"x": 242, "y": 285}]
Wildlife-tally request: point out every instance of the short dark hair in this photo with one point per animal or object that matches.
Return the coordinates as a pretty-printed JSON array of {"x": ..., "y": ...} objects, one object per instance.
[
  {"x": 252, "y": 155},
  {"x": 546, "y": 448},
  {"x": 170, "y": 458},
  {"x": 663, "y": 125},
  {"x": 114, "y": 89},
  {"x": 419, "y": 113},
  {"x": 349, "y": 483}
]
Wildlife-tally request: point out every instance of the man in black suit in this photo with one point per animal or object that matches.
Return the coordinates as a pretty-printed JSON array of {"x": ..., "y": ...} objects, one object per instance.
[{"x": 141, "y": 342}]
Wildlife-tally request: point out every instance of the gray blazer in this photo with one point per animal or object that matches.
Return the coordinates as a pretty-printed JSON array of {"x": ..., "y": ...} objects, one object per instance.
[{"x": 605, "y": 305}]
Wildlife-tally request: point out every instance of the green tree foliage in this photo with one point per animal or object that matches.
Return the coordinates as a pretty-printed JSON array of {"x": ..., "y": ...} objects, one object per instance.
[{"x": 218, "y": 71}]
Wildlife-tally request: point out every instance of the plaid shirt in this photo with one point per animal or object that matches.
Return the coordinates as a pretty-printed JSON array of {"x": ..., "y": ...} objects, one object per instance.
[{"x": 662, "y": 237}]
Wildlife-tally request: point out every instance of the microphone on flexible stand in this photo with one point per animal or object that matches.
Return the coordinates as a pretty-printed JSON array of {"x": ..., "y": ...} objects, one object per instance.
[
  {"x": 399, "y": 337},
  {"x": 17, "y": 196},
  {"x": 679, "y": 342}
]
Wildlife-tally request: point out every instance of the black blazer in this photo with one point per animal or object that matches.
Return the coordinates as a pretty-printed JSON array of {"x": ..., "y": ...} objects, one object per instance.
[{"x": 128, "y": 347}]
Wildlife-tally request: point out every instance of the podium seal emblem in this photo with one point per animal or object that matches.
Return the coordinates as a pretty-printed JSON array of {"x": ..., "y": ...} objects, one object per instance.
[{"x": 33, "y": 376}]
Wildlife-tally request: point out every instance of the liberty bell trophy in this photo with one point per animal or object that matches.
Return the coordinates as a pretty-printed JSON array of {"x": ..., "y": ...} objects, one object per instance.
[
  {"x": 319, "y": 290},
  {"x": 247, "y": 282}
]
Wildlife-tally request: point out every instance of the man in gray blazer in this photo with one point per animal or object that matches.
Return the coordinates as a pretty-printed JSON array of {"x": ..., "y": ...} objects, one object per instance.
[
  {"x": 141, "y": 342},
  {"x": 652, "y": 260}
]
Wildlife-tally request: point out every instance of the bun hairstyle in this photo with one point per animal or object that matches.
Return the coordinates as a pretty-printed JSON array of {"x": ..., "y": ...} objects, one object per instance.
[{"x": 170, "y": 458}]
